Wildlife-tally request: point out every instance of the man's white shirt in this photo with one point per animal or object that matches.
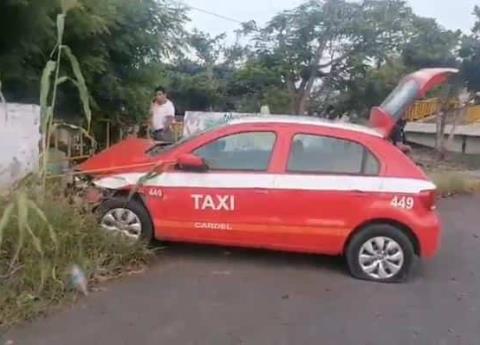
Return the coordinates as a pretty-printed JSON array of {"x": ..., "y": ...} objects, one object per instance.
[{"x": 160, "y": 114}]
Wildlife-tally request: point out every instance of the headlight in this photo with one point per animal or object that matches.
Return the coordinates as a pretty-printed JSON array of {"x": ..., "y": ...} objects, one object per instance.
[{"x": 112, "y": 182}]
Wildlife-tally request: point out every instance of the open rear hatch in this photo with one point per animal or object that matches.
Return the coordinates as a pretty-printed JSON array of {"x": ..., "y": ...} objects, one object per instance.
[{"x": 412, "y": 87}]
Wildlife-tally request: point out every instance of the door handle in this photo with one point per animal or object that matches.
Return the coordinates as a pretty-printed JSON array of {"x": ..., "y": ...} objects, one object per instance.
[
  {"x": 358, "y": 191},
  {"x": 261, "y": 191}
]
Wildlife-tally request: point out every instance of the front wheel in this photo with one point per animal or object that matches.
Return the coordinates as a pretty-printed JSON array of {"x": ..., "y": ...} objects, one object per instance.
[
  {"x": 126, "y": 217},
  {"x": 380, "y": 253}
]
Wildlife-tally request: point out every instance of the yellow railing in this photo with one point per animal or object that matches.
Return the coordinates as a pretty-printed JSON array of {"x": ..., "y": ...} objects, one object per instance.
[
  {"x": 421, "y": 110},
  {"x": 177, "y": 129},
  {"x": 473, "y": 114}
]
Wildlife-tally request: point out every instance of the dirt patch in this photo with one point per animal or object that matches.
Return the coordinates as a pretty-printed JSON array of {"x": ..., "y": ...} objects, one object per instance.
[{"x": 428, "y": 159}]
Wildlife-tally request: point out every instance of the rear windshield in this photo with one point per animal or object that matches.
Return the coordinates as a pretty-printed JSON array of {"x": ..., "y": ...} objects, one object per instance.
[{"x": 401, "y": 98}]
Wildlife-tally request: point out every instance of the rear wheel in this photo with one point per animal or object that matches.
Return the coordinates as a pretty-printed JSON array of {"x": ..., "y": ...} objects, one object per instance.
[
  {"x": 126, "y": 217},
  {"x": 380, "y": 253}
]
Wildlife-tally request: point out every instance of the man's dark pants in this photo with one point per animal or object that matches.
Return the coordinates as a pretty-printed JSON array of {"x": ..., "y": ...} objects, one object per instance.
[{"x": 162, "y": 135}]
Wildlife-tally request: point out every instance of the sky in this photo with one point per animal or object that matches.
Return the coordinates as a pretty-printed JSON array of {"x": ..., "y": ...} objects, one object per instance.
[{"x": 451, "y": 14}]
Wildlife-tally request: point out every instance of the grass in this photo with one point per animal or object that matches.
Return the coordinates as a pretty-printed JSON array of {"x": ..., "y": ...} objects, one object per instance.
[
  {"x": 41, "y": 235},
  {"x": 35, "y": 263},
  {"x": 453, "y": 183}
]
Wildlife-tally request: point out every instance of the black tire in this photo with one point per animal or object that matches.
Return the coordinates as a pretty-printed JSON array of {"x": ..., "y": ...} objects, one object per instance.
[
  {"x": 383, "y": 230},
  {"x": 136, "y": 207}
]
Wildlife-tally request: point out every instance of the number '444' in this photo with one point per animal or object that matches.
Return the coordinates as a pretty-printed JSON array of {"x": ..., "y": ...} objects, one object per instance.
[{"x": 405, "y": 202}]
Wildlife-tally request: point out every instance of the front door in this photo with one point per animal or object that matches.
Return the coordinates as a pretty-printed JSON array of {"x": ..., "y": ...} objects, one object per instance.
[{"x": 227, "y": 203}]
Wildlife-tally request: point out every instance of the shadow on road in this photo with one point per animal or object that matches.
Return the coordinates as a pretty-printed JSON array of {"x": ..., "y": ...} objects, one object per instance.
[{"x": 258, "y": 257}]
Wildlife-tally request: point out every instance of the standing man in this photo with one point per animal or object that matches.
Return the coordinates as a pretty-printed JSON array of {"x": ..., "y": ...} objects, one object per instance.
[
  {"x": 398, "y": 132},
  {"x": 162, "y": 112},
  {"x": 398, "y": 136}
]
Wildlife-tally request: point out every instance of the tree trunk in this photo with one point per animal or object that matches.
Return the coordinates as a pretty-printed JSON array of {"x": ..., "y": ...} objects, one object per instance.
[
  {"x": 303, "y": 92},
  {"x": 301, "y": 104},
  {"x": 458, "y": 113},
  {"x": 451, "y": 135},
  {"x": 440, "y": 140},
  {"x": 441, "y": 120},
  {"x": 303, "y": 95}
]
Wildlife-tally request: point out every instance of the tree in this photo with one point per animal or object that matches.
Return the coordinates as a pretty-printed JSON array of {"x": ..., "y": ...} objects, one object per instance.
[
  {"x": 316, "y": 43},
  {"x": 430, "y": 45},
  {"x": 470, "y": 52},
  {"x": 197, "y": 78},
  {"x": 257, "y": 83},
  {"x": 120, "y": 45},
  {"x": 411, "y": 44},
  {"x": 365, "y": 87},
  {"x": 26, "y": 29},
  {"x": 207, "y": 49}
]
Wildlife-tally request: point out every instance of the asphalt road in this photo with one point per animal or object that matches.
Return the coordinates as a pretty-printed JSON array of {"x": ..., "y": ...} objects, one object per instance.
[{"x": 198, "y": 295}]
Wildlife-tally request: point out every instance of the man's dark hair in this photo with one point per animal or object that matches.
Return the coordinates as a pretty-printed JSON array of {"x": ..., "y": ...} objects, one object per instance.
[{"x": 160, "y": 88}]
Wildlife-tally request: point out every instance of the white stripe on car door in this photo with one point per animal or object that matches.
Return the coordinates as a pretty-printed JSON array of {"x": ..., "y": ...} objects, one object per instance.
[{"x": 246, "y": 180}]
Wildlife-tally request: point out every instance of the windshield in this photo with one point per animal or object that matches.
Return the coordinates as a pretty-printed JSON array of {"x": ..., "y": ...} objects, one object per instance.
[
  {"x": 160, "y": 148},
  {"x": 401, "y": 98}
]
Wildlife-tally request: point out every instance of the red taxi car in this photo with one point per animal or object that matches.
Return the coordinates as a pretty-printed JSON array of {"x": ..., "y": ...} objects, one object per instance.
[{"x": 284, "y": 183}]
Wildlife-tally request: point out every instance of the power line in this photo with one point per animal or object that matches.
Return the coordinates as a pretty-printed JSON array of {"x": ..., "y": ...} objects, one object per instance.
[{"x": 215, "y": 14}]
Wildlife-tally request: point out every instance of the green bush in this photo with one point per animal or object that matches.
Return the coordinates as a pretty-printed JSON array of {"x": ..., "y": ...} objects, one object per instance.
[{"x": 40, "y": 239}]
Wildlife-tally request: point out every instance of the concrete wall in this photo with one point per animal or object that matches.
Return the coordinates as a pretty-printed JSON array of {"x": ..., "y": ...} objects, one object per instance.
[
  {"x": 466, "y": 138},
  {"x": 19, "y": 142}
]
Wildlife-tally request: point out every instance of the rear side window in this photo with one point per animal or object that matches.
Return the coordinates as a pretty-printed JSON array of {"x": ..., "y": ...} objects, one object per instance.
[
  {"x": 249, "y": 151},
  {"x": 327, "y": 155}
]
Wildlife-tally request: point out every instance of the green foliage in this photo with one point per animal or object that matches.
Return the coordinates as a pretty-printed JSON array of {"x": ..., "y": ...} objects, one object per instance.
[
  {"x": 207, "y": 49},
  {"x": 470, "y": 52},
  {"x": 323, "y": 53},
  {"x": 117, "y": 43},
  {"x": 401, "y": 43},
  {"x": 48, "y": 89},
  {"x": 430, "y": 45},
  {"x": 3, "y": 103},
  {"x": 45, "y": 89},
  {"x": 320, "y": 44},
  {"x": 119, "y": 55},
  {"x": 258, "y": 83},
  {"x": 39, "y": 244},
  {"x": 27, "y": 27},
  {"x": 79, "y": 82},
  {"x": 367, "y": 88}
]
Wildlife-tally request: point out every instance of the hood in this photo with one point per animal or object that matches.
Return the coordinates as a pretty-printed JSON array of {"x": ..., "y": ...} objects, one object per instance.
[
  {"x": 411, "y": 88},
  {"x": 126, "y": 155}
]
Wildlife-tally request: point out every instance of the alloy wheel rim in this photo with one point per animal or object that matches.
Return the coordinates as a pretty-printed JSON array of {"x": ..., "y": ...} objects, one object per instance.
[
  {"x": 381, "y": 257},
  {"x": 122, "y": 221}
]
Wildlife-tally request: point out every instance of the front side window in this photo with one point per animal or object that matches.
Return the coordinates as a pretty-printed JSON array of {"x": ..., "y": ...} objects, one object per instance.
[
  {"x": 327, "y": 155},
  {"x": 249, "y": 151}
]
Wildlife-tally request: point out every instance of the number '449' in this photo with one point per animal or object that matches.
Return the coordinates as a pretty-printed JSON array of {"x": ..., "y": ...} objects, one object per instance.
[{"x": 405, "y": 202}]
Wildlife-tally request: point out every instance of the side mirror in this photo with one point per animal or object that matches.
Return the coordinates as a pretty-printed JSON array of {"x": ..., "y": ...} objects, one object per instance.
[{"x": 189, "y": 161}]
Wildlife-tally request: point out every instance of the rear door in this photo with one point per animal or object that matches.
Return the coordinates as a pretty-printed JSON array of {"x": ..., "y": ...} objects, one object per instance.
[
  {"x": 327, "y": 183},
  {"x": 227, "y": 203}
]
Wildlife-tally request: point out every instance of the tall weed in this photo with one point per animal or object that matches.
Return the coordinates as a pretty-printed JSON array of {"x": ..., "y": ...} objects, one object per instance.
[{"x": 41, "y": 238}]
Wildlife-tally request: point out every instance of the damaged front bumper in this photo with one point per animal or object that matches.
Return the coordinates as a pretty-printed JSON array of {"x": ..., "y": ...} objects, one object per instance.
[{"x": 86, "y": 194}]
